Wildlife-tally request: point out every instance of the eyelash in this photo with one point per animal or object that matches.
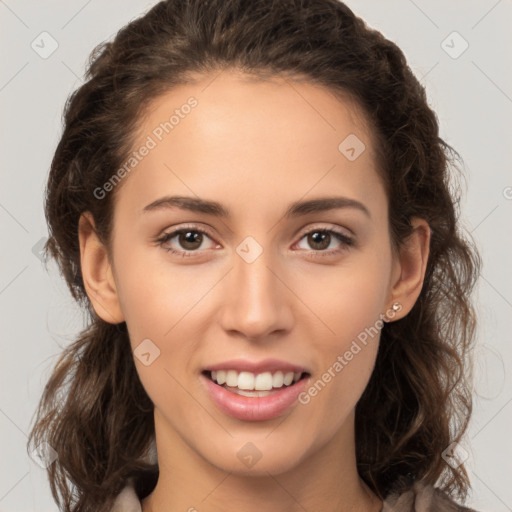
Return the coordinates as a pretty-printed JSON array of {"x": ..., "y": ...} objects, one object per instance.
[{"x": 345, "y": 240}]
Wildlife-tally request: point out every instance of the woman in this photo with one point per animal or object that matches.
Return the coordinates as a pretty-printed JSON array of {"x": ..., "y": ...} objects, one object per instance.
[{"x": 253, "y": 203}]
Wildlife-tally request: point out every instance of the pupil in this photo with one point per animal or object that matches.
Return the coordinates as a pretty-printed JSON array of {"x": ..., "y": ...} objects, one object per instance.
[
  {"x": 189, "y": 238},
  {"x": 320, "y": 238}
]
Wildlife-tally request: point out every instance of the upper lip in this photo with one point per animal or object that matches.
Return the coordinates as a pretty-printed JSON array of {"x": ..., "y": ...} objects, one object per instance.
[{"x": 266, "y": 365}]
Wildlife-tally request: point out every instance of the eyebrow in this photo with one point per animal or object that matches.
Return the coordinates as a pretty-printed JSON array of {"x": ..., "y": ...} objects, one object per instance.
[{"x": 216, "y": 209}]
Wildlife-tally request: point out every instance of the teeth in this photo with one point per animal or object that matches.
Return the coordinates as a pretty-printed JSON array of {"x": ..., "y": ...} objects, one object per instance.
[
  {"x": 253, "y": 394},
  {"x": 277, "y": 379},
  {"x": 263, "y": 382},
  {"x": 288, "y": 379},
  {"x": 249, "y": 381},
  {"x": 231, "y": 378}
]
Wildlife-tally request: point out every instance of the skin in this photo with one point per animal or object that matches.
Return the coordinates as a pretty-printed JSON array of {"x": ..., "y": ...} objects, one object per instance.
[{"x": 255, "y": 147}]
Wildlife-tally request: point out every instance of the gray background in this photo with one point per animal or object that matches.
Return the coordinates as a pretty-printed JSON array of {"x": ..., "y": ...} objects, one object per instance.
[{"x": 472, "y": 95}]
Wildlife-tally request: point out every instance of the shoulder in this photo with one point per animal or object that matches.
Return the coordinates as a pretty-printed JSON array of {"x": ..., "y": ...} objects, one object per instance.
[
  {"x": 422, "y": 498},
  {"x": 419, "y": 498}
]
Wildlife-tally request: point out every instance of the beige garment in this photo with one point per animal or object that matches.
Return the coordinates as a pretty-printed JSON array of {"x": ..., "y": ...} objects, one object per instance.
[
  {"x": 127, "y": 501},
  {"x": 420, "y": 498}
]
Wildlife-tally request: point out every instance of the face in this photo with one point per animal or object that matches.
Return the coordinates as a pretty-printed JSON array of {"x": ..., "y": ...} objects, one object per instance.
[{"x": 268, "y": 279}]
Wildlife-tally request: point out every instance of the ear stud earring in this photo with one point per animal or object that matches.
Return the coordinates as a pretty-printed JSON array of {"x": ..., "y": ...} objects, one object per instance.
[{"x": 390, "y": 314}]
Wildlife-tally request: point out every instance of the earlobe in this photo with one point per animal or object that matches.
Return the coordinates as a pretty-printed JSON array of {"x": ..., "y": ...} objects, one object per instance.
[
  {"x": 97, "y": 272},
  {"x": 411, "y": 268}
]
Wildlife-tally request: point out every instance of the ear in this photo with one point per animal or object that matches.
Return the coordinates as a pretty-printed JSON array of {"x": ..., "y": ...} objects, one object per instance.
[
  {"x": 97, "y": 272},
  {"x": 409, "y": 268}
]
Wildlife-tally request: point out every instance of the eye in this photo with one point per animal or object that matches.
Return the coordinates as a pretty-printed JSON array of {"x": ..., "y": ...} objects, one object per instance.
[
  {"x": 188, "y": 239},
  {"x": 321, "y": 239}
]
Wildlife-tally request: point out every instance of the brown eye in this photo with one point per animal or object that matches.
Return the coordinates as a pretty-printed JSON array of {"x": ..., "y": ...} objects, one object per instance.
[
  {"x": 319, "y": 240},
  {"x": 190, "y": 240},
  {"x": 186, "y": 241}
]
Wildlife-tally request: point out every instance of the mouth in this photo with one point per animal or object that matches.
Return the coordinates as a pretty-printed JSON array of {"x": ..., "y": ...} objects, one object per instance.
[
  {"x": 251, "y": 396},
  {"x": 255, "y": 385}
]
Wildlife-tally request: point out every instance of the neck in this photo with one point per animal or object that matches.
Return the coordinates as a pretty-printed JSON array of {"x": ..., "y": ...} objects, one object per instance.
[{"x": 320, "y": 481}]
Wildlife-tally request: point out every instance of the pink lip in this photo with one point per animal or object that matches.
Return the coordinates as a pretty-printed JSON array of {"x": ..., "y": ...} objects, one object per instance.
[
  {"x": 267, "y": 365},
  {"x": 254, "y": 408}
]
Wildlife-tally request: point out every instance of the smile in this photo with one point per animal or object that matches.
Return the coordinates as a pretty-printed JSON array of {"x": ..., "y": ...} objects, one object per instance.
[
  {"x": 254, "y": 397},
  {"x": 251, "y": 381}
]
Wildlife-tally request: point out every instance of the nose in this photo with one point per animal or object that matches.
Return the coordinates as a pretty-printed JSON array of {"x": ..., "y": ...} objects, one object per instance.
[{"x": 258, "y": 302}]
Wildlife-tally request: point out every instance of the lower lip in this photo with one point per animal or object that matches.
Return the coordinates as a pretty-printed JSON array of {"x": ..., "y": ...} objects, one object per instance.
[{"x": 254, "y": 408}]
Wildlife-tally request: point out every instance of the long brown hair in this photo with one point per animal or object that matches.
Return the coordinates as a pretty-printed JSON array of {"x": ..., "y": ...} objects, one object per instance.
[{"x": 94, "y": 411}]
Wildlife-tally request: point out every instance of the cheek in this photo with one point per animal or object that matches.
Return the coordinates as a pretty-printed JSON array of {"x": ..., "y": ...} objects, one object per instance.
[
  {"x": 350, "y": 302},
  {"x": 152, "y": 296},
  {"x": 154, "y": 301},
  {"x": 349, "y": 298}
]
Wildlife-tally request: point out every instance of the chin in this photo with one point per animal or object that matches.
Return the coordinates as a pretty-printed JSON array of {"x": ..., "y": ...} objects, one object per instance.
[{"x": 258, "y": 458}]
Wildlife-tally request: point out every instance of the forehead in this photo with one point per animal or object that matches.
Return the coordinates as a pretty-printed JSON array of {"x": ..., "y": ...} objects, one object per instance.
[
  {"x": 245, "y": 103},
  {"x": 243, "y": 139}
]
